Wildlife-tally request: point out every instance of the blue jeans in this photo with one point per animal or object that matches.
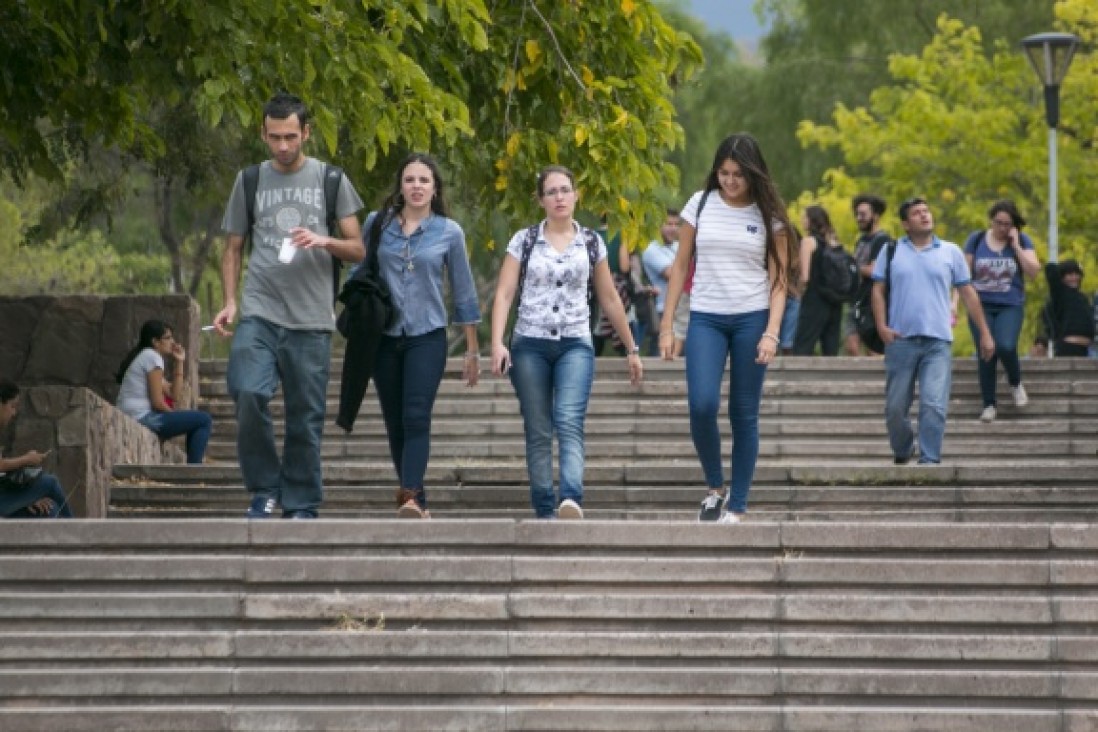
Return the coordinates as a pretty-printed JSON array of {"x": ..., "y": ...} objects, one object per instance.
[
  {"x": 406, "y": 375},
  {"x": 45, "y": 485},
  {"x": 264, "y": 354},
  {"x": 788, "y": 332},
  {"x": 552, "y": 380},
  {"x": 710, "y": 340},
  {"x": 195, "y": 425},
  {"x": 1005, "y": 323},
  {"x": 930, "y": 360}
]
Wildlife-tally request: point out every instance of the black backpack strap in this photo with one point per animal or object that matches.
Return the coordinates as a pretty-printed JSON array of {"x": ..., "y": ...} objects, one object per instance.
[
  {"x": 591, "y": 240},
  {"x": 333, "y": 177},
  {"x": 249, "y": 177},
  {"x": 524, "y": 261}
]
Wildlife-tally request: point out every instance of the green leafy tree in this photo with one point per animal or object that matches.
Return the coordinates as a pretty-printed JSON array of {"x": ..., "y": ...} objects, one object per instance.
[
  {"x": 965, "y": 126},
  {"x": 176, "y": 89},
  {"x": 818, "y": 54}
]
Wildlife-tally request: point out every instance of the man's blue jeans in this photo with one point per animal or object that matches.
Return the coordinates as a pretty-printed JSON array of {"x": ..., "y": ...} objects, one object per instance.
[
  {"x": 264, "y": 354},
  {"x": 930, "y": 360},
  {"x": 552, "y": 380},
  {"x": 710, "y": 340},
  {"x": 1005, "y": 323},
  {"x": 194, "y": 424},
  {"x": 407, "y": 373}
]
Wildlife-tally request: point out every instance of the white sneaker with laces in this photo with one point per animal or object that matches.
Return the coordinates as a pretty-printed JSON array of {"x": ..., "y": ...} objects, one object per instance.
[
  {"x": 569, "y": 509},
  {"x": 989, "y": 414},
  {"x": 1020, "y": 397},
  {"x": 729, "y": 518}
]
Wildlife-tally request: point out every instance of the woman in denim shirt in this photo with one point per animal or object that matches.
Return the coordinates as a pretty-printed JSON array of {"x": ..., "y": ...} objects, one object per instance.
[
  {"x": 551, "y": 353},
  {"x": 418, "y": 242}
]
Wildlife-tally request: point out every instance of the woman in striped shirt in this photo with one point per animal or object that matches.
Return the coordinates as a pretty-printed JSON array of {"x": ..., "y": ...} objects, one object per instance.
[{"x": 738, "y": 230}]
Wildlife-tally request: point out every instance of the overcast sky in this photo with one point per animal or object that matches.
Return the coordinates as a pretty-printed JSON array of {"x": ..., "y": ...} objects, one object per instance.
[{"x": 734, "y": 17}]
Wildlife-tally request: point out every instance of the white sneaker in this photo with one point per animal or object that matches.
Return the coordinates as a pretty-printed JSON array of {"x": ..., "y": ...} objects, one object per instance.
[
  {"x": 1020, "y": 397},
  {"x": 729, "y": 518},
  {"x": 989, "y": 414},
  {"x": 569, "y": 509}
]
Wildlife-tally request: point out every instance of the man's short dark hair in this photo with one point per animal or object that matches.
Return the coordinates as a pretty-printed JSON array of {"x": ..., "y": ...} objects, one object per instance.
[
  {"x": 908, "y": 205},
  {"x": 8, "y": 390},
  {"x": 875, "y": 202},
  {"x": 282, "y": 105},
  {"x": 672, "y": 211}
]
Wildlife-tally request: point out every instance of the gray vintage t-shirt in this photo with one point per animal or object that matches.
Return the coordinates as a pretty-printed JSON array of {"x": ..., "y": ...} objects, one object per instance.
[{"x": 297, "y": 294}]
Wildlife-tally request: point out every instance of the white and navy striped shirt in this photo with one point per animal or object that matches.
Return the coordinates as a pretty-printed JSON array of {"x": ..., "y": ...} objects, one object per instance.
[{"x": 730, "y": 246}]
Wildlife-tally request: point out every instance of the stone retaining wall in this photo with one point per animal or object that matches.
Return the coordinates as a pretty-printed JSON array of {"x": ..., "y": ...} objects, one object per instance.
[
  {"x": 79, "y": 340},
  {"x": 86, "y": 437}
]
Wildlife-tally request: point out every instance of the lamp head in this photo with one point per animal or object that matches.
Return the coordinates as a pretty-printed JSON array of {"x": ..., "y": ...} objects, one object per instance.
[{"x": 1050, "y": 55}]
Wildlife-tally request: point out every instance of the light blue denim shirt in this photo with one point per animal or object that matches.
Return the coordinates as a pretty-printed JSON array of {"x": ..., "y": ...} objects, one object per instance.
[{"x": 413, "y": 267}]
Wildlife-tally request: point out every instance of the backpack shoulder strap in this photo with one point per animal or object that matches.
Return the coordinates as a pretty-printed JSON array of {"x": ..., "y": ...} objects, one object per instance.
[
  {"x": 698, "y": 216},
  {"x": 527, "y": 249},
  {"x": 591, "y": 239},
  {"x": 250, "y": 179},
  {"x": 333, "y": 177},
  {"x": 973, "y": 241}
]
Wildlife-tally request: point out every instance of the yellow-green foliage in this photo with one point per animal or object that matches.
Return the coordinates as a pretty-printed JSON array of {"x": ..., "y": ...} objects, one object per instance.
[{"x": 965, "y": 129}]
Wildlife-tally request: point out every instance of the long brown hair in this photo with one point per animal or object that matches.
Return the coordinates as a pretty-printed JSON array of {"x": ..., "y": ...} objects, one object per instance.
[{"x": 743, "y": 149}]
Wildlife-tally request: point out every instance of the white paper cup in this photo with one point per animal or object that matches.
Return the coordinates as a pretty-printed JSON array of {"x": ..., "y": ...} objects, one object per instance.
[{"x": 287, "y": 252}]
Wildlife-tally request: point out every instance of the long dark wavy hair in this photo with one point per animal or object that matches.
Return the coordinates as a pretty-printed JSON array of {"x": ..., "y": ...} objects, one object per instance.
[
  {"x": 151, "y": 330},
  {"x": 819, "y": 223},
  {"x": 393, "y": 204},
  {"x": 743, "y": 149}
]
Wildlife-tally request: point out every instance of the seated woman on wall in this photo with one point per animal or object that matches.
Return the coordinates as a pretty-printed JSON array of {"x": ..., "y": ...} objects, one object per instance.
[
  {"x": 25, "y": 491},
  {"x": 150, "y": 398}
]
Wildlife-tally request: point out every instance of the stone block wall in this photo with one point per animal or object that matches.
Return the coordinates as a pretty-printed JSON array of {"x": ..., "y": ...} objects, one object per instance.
[
  {"x": 79, "y": 340},
  {"x": 86, "y": 437}
]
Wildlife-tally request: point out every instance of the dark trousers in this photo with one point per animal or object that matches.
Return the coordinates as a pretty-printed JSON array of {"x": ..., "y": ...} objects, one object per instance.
[
  {"x": 819, "y": 320},
  {"x": 406, "y": 375}
]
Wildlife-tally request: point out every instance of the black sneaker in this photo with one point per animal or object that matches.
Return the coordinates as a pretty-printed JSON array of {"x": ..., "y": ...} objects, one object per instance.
[
  {"x": 304, "y": 513},
  {"x": 711, "y": 507},
  {"x": 261, "y": 507}
]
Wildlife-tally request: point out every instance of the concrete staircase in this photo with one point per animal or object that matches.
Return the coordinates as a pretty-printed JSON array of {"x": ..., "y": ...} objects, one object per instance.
[
  {"x": 505, "y": 625},
  {"x": 824, "y": 451},
  {"x": 859, "y": 595}
]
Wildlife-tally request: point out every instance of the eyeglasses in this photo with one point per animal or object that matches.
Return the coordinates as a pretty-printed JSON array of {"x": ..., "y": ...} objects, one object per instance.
[
  {"x": 1000, "y": 222},
  {"x": 562, "y": 191}
]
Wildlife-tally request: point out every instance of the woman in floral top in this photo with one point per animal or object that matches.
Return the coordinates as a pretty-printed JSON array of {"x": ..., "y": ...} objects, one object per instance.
[{"x": 551, "y": 361}]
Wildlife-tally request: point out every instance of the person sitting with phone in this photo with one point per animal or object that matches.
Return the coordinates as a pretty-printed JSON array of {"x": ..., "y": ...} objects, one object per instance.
[{"x": 25, "y": 491}]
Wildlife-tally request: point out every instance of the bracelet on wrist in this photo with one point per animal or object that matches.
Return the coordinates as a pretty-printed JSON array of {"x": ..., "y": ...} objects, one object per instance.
[
  {"x": 473, "y": 355},
  {"x": 772, "y": 337}
]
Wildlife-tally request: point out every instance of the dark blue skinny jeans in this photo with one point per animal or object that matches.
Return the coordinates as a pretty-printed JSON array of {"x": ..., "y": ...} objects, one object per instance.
[
  {"x": 710, "y": 342},
  {"x": 407, "y": 375}
]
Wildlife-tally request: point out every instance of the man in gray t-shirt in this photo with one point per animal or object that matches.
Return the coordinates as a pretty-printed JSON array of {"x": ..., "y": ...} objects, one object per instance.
[{"x": 286, "y": 314}]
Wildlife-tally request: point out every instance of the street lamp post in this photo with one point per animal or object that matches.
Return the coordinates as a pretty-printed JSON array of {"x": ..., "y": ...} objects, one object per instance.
[{"x": 1050, "y": 55}]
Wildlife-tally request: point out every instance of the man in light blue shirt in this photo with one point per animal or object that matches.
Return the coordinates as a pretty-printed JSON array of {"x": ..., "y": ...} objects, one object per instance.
[{"x": 911, "y": 304}]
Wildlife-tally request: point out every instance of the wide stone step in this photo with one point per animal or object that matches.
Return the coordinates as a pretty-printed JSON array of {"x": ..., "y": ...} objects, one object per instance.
[
  {"x": 370, "y": 644},
  {"x": 484, "y": 682},
  {"x": 570, "y": 714},
  {"x": 683, "y": 471},
  {"x": 605, "y": 447}
]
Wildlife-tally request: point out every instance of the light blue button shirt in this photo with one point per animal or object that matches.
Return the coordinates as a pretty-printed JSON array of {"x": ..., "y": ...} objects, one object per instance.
[
  {"x": 412, "y": 266},
  {"x": 920, "y": 286}
]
